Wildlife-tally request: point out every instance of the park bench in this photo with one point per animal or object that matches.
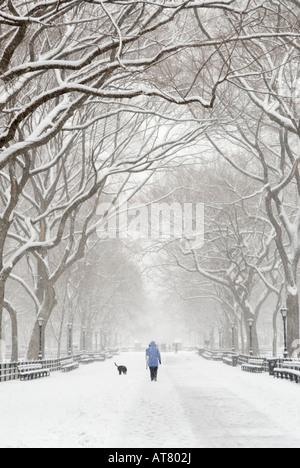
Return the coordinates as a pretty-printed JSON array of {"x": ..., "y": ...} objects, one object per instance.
[
  {"x": 99, "y": 357},
  {"x": 217, "y": 357},
  {"x": 8, "y": 371},
  {"x": 227, "y": 360},
  {"x": 207, "y": 355},
  {"x": 200, "y": 351},
  {"x": 69, "y": 365},
  {"x": 256, "y": 366},
  {"x": 288, "y": 370},
  {"x": 231, "y": 360},
  {"x": 87, "y": 359},
  {"x": 32, "y": 371},
  {"x": 108, "y": 355}
]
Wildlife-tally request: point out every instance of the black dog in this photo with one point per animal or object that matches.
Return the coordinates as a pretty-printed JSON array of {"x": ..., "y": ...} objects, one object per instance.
[{"x": 121, "y": 369}]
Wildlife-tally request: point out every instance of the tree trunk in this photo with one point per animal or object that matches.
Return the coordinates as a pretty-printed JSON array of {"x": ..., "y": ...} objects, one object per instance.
[
  {"x": 292, "y": 321},
  {"x": 275, "y": 333},
  {"x": 2, "y": 293},
  {"x": 45, "y": 312},
  {"x": 256, "y": 350},
  {"x": 34, "y": 345},
  {"x": 14, "y": 332},
  {"x": 242, "y": 336},
  {"x": 60, "y": 335}
]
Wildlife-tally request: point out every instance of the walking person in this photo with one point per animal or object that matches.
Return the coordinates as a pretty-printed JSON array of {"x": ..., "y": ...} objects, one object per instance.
[{"x": 153, "y": 358}]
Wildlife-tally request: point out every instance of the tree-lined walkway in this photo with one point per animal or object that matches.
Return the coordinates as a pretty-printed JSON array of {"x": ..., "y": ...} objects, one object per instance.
[{"x": 195, "y": 403}]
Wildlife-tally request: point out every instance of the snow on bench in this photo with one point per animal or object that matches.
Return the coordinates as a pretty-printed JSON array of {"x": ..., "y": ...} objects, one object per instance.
[
  {"x": 288, "y": 370},
  {"x": 231, "y": 360},
  {"x": 108, "y": 355},
  {"x": 218, "y": 357},
  {"x": 255, "y": 366},
  {"x": 69, "y": 366},
  {"x": 86, "y": 359},
  {"x": 8, "y": 371},
  {"x": 213, "y": 355},
  {"x": 32, "y": 371},
  {"x": 99, "y": 357},
  {"x": 207, "y": 355},
  {"x": 227, "y": 360}
]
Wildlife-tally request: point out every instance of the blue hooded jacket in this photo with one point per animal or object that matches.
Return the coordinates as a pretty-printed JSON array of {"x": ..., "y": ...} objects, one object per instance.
[{"x": 153, "y": 355}]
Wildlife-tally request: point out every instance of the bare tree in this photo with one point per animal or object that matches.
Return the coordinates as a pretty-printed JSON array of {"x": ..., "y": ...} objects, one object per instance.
[
  {"x": 55, "y": 67},
  {"x": 274, "y": 163},
  {"x": 70, "y": 69},
  {"x": 263, "y": 103}
]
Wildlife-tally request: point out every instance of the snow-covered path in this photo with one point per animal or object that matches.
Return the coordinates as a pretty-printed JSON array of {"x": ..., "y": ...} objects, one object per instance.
[{"x": 195, "y": 403}]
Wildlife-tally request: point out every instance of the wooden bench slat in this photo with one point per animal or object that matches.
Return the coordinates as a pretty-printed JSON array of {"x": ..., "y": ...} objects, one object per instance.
[
  {"x": 32, "y": 370},
  {"x": 254, "y": 366},
  {"x": 69, "y": 366}
]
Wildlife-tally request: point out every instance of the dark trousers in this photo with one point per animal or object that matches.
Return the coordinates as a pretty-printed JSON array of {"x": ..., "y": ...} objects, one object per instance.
[{"x": 153, "y": 373}]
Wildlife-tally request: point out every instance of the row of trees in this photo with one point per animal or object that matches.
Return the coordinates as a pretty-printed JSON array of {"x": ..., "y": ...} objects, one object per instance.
[
  {"x": 97, "y": 96},
  {"x": 262, "y": 144},
  {"x": 252, "y": 194},
  {"x": 77, "y": 124}
]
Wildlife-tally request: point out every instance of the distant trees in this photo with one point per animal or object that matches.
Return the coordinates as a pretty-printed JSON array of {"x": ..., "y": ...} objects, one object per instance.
[
  {"x": 238, "y": 268},
  {"x": 105, "y": 296}
]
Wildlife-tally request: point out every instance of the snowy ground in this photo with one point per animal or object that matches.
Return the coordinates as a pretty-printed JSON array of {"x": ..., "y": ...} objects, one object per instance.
[{"x": 195, "y": 403}]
